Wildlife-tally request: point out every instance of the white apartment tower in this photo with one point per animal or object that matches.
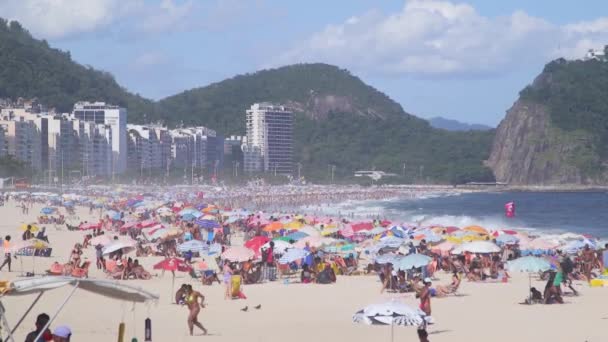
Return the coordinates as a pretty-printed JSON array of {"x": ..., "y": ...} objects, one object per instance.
[
  {"x": 269, "y": 134},
  {"x": 116, "y": 118}
]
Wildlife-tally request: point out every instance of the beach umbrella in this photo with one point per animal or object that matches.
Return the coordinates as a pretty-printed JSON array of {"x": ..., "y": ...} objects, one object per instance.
[
  {"x": 295, "y": 236},
  {"x": 238, "y": 254},
  {"x": 194, "y": 246},
  {"x": 256, "y": 243},
  {"x": 113, "y": 214},
  {"x": 208, "y": 224},
  {"x": 292, "y": 255},
  {"x": 34, "y": 227},
  {"x": 47, "y": 210},
  {"x": 311, "y": 231},
  {"x": 542, "y": 244},
  {"x": 477, "y": 247},
  {"x": 392, "y": 313},
  {"x": 280, "y": 246},
  {"x": 529, "y": 264},
  {"x": 443, "y": 248},
  {"x": 214, "y": 248},
  {"x": 273, "y": 226},
  {"x": 26, "y": 247},
  {"x": 413, "y": 261},
  {"x": 314, "y": 241},
  {"x": 476, "y": 229},
  {"x": 100, "y": 240},
  {"x": 391, "y": 241},
  {"x": 388, "y": 258},
  {"x": 173, "y": 264},
  {"x": 506, "y": 239},
  {"x": 117, "y": 245}
]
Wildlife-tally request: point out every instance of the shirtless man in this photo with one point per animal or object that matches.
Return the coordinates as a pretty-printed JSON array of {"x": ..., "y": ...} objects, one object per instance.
[{"x": 191, "y": 301}]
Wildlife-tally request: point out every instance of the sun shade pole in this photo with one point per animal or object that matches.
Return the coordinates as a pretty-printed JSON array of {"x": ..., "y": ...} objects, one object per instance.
[
  {"x": 65, "y": 301},
  {"x": 5, "y": 322},
  {"x": 25, "y": 314}
]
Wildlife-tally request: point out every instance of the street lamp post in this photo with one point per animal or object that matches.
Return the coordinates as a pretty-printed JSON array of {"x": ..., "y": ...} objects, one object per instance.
[{"x": 299, "y": 169}]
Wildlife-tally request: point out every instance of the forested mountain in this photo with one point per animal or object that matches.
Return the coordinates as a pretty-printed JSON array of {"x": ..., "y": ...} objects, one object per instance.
[
  {"x": 557, "y": 132},
  {"x": 339, "y": 119}
]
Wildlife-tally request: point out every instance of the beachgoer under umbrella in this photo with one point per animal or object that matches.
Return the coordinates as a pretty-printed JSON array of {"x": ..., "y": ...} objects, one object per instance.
[
  {"x": 41, "y": 321},
  {"x": 191, "y": 300}
]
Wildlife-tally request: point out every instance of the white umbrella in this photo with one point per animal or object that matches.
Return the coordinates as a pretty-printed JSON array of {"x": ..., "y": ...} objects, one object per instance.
[
  {"x": 477, "y": 247},
  {"x": 280, "y": 246},
  {"x": 292, "y": 255},
  {"x": 125, "y": 246},
  {"x": 529, "y": 264},
  {"x": 392, "y": 313}
]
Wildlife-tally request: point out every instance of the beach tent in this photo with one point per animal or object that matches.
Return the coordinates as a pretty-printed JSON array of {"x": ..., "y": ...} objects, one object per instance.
[{"x": 107, "y": 288}]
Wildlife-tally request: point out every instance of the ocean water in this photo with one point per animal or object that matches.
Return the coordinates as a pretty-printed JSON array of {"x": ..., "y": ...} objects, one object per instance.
[{"x": 544, "y": 212}]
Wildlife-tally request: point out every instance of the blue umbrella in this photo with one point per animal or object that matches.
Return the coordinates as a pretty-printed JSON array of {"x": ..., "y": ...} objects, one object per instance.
[
  {"x": 114, "y": 215},
  {"x": 295, "y": 236},
  {"x": 292, "y": 255},
  {"x": 188, "y": 217},
  {"x": 413, "y": 261},
  {"x": 506, "y": 239},
  {"x": 208, "y": 224},
  {"x": 215, "y": 248},
  {"x": 68, "y": 204},
  {"x": 188, "y": 211},
  {"x": 47, "y": 210},
  {"x": 391, "y": 241},
  {"x": 194, "y": 246},
  {"x": 387, "y": 259}
]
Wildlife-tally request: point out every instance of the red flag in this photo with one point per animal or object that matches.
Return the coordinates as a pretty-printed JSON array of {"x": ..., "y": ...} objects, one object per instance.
[{"x": 510, "y": 209}]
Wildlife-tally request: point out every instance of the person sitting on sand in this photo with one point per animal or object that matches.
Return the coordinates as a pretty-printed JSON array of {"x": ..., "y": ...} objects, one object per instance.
[
  {"x": 307, "y": 276},
  {"x": 75, "y": 255},
  {"x": 119, "y": 271},
  {"x": 42, "y": 235},
  {"x": 139, "y": 272},
  {"x": 442, "y": 291},
  {"x": 209, "y": 276}
]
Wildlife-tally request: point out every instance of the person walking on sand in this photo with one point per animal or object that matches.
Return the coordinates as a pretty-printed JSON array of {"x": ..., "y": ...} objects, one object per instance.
[
  {"x": 191, "y": 300},
  {"x": 227, "y": 280},
  {"x": 425, "y": 297},
  {"x": 7, "y": 254}
]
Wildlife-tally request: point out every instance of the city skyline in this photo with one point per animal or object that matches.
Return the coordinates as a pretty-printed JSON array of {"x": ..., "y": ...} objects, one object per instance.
[{"x": 464, "y": 60}]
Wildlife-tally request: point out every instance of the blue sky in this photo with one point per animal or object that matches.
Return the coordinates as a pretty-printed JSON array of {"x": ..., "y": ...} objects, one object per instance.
[{"x": 465, "y": 60}]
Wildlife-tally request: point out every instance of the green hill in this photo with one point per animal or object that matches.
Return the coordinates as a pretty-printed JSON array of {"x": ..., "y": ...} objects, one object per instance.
[
  {"x": 557, "y": 132},
  {"x": 30, "y": 68},
  {"x": 339, "y": 119}
]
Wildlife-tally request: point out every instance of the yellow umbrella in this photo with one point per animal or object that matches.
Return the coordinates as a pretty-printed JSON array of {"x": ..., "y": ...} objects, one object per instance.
[
  {"x": 476, "y": 229},
  {"x": 34, "y": 227},
  {"x": 293, "y": 225}
]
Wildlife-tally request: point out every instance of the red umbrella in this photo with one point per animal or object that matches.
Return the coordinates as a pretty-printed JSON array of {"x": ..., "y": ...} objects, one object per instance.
[
  {"x": 147, "y": 223},
  {"x": 173, "y": 264},
  {"x": 256, "y": 243}
]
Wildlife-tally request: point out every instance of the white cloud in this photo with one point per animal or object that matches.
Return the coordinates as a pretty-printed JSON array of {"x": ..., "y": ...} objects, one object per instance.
[
  {"x": 167, "y": 16},
  {"x": 432, "y": 37},
  {"x": 60, "y": 18}
]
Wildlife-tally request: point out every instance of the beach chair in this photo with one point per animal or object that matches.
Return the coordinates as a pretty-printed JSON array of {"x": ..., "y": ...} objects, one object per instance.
[
  {"x": 236, "y": 287},
  {"x": 82, "y": 272},
  {"x": 286, "y": 272},
  {"x": 56, "y": 269}
]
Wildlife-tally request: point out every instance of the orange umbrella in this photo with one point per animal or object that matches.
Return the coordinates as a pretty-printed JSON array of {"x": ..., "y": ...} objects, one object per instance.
[
  {"x": 476, "y": 229},
  {"x": 273, "y": 226}
]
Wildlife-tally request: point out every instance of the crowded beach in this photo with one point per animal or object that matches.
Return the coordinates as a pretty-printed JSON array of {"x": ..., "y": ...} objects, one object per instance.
[{"x": 228, "y": 271}]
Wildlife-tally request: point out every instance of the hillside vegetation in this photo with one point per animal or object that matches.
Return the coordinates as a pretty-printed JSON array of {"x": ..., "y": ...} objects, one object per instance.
[{"x": 340, "y": 120}]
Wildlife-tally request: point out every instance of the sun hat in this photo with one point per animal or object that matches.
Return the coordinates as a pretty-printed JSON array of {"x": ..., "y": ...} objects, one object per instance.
[
  {"x": 63, "y": 331},
  {"x": 427, "y": 280}
]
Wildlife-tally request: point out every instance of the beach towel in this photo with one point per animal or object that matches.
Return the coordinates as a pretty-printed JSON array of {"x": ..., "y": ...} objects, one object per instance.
[{"x": 236, "y": 287}]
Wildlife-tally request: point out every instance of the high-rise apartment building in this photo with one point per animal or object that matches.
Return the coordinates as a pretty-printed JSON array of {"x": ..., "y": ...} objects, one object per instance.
[
  {"x": 22, "y": 139},
  {"x": 269, "y": 133},
  {"x": 116, "y": 118}
]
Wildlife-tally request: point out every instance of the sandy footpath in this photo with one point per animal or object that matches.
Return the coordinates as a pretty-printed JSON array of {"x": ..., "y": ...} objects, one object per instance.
[{"x": 296, "y": 312}]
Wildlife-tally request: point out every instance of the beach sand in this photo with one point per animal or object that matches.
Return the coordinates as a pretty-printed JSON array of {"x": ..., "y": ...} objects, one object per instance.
[{"x": 297, "y": 312}]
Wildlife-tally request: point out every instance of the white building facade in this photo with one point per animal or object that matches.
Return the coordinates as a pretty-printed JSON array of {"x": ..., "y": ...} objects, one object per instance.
[
  {"x": 269, "y": 137},
  {"x": 116, "y": 118}
]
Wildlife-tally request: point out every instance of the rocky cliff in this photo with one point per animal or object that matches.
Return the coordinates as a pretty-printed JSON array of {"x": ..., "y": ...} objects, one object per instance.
[{"x": 556, "y": 131}]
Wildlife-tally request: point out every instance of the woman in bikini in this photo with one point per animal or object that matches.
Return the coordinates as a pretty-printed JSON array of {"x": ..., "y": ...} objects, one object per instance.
[{"x": 191, "y": 300}]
